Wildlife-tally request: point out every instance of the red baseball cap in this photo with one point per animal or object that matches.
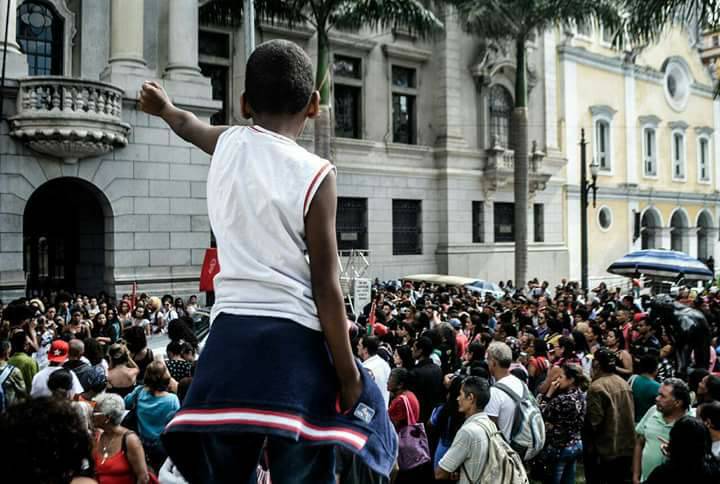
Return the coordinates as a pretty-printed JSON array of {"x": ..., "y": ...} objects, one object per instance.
[
  {"x": 380, "y": 330},
  {"x": 640, "y": 316},
  {"x": 58, "y": 351}
]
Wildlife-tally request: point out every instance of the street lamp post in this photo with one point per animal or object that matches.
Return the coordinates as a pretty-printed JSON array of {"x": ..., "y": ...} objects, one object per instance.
[{"x": 585, "y": 187}]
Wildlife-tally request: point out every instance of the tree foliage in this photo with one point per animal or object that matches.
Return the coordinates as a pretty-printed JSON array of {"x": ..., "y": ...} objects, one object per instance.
[
  {"x": 645, "y": 20},
  {"x": 324, "y": 15},
  {"x": 519, "y": 19}
]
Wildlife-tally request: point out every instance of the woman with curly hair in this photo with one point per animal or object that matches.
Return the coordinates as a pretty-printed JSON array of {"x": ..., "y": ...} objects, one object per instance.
[
  {"x": 122, "y": 374},
  {"x": 31, "y": 432}
]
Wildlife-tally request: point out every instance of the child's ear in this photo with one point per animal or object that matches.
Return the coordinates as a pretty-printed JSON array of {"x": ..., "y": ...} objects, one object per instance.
[
  {"x": 313, "y": 108},
  {"x": 245, "y": 107}
]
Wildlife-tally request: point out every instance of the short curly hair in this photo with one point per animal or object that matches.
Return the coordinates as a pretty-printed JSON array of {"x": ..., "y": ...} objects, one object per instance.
[
  {"x": 278, "y": 78},
  {"x": 46, "y": 441},
  {"x": 110, "y": 405}
]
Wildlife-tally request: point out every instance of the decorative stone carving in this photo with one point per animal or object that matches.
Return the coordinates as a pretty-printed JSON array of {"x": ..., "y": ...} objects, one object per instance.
[
  {"x": 69, "y": 118},
  {"x": 495, "y": 60}
]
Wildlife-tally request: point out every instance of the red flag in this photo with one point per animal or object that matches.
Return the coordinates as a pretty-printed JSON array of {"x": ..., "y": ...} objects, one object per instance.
[
  {"x": 372, "y": 318},
  {"x": 210, "y": 267}
]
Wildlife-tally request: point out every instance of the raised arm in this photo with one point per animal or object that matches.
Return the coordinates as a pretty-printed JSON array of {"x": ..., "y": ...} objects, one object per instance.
[{"x": 155, "y": 101}]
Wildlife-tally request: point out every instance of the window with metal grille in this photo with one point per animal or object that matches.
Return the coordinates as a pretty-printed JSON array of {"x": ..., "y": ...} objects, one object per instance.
[
  {"x": 40, "y": 35},
  {"x": 347, "y": 75},
  {"x": 214, "y": 56},
  {"x": 504, "y": 222},
  {"x": 214, "y": 44},
  {"x": 650, "y": 149},
  {"x": 539, "y": 222},
  {"x": 501, "y": 106},
  {"x": 218, "y": 75},
  {"x": 407, "y": 227},
  {"x": 602, "y": 144},
  {"x": 351, "y": 225},
  {"x": 478, "y": 222},
  {"x": 703, "y": 166},
  {"x": 403, "y": 105}
]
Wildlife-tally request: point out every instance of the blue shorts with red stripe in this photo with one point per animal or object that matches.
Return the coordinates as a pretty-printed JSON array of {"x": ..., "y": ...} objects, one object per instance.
[{"x": 273, "y": 377}]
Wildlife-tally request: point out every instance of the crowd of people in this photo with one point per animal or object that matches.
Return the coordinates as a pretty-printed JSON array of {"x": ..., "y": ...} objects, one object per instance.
[
  {"x": 82, "y": 396},
  {"x": 566, "y": 376},
  {"x": 479, "y": 388}
]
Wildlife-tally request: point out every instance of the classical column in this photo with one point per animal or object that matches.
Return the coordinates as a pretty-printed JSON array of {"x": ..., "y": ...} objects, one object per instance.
[
  {"x": 551, "y": 114},
  {"x": 448, "y": 97},
  {"x": 183, "y": 40},
  {"x": 665, "y": 234},
  {"x": 126, "y": 35},
  {"x": 690, "y": 241},
  {"x": 16, "y": 63}
]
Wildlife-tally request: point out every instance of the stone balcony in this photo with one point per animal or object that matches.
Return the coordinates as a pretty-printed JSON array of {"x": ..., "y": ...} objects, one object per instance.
[
  {"x": 499, "y": 169},
  {"x": 69, "y": 118}
]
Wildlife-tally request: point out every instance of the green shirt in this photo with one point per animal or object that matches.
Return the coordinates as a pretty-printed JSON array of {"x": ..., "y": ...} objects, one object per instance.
[
  {"x": 652, "y": 428},
  {"x": 27, "y": 366},
  {"x": 645, "y": 391}
]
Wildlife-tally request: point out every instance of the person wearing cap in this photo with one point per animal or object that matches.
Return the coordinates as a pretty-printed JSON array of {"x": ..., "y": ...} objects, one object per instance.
[{"x": 57, "y": 356}]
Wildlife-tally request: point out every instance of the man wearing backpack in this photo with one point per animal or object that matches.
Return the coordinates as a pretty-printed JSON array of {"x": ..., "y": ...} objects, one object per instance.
[
  {"x": 12, "y": 384},
  {"x": 512, "y": 406},
  {"x": 479, "y": 454}
]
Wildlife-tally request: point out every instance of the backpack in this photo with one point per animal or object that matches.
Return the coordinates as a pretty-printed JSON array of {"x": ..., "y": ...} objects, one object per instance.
[
  {"x": 503, "y": 464},
  {"x": 528, "y": 431},
  {"x": 4, "y": 375}
]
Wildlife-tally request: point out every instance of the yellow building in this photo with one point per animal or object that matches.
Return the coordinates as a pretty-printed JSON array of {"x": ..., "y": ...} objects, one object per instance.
[{"x": 652, "y": 124}]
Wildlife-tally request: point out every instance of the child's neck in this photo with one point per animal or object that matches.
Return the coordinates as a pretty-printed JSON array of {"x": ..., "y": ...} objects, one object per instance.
[{"x": 285, "y": 126}]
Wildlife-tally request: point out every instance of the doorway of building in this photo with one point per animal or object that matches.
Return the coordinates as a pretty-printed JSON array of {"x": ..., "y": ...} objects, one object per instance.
[{"x": 64, "y": 227}]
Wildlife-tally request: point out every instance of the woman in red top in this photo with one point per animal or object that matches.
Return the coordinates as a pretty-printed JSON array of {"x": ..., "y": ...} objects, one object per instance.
[
  {"x": 119, "y": 455},
  {"x": 403, "y": 399},
  {"x": 397, "y": 386}
]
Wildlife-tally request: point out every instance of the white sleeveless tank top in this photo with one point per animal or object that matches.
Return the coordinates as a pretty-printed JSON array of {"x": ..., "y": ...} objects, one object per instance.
[{"x": 259, "y": 189}]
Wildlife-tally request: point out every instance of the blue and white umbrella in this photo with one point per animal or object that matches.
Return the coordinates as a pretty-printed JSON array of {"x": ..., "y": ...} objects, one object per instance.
[{"x": 660, "y": 263}]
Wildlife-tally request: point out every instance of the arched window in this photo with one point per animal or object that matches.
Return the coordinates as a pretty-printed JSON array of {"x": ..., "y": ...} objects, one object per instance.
[
  {"x": 40, "y": 35},
  {"x": 501, "y": 106}
]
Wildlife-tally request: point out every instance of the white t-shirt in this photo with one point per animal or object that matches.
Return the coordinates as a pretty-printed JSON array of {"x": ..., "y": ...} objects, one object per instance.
[
  {"x": 380, "y": 371},
  {"x": 40, "y": 383},
  {"x": 716, "y": 449},
  {"x": 259, "y": 190},
  {"x": 501, "y": 406}
]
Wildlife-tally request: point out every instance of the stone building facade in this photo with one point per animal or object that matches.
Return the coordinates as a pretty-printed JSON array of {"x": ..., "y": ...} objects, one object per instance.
[{"x": 95, "y": 195}]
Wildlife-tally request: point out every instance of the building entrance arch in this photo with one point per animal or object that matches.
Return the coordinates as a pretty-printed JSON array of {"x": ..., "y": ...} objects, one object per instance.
[{"x": 64, "y": 233}]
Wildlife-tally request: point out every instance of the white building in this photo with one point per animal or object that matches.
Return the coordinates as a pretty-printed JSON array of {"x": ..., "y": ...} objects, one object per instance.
[{"x": 95, "y": 195}]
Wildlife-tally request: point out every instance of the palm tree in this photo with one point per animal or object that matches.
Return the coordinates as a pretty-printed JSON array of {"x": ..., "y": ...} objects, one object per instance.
[
  {"x": 645, "y": 20},
  {"x": 324, "y": 16},
  {"x": 515, "y": 22}
]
